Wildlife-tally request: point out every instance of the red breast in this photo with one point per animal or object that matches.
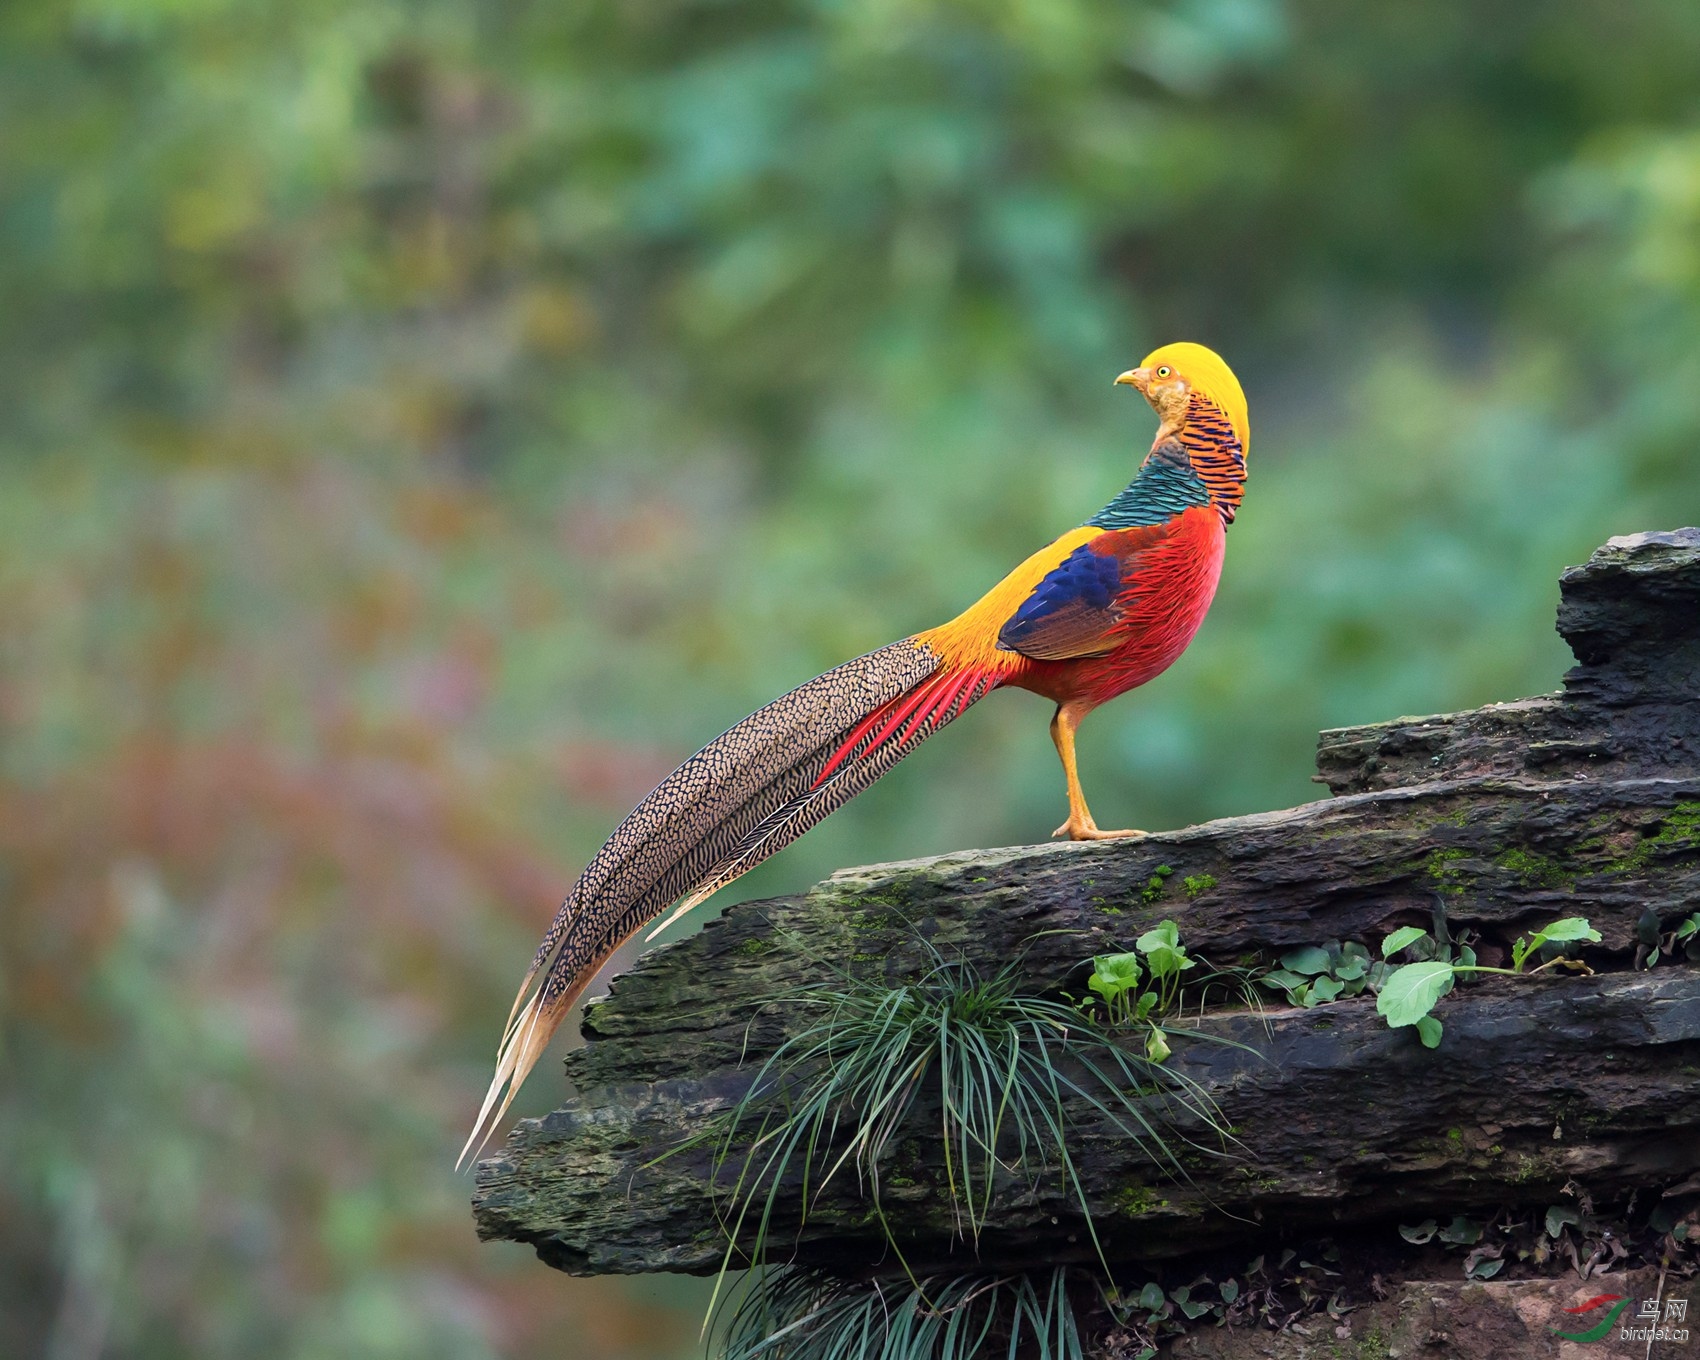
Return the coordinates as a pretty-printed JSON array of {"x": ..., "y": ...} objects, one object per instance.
[{"x": 1162, "y": 609}]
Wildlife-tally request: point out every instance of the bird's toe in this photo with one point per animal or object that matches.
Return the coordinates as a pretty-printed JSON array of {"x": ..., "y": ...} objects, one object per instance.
[{"x": 1089, "y": 831}]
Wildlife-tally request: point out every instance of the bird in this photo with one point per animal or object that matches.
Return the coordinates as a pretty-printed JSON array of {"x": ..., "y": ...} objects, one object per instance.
[{"x": 1101, "y": 610}]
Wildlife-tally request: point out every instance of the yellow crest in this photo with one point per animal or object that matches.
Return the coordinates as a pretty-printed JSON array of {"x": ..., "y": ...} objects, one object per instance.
[{"x": 1206, "y": 372}]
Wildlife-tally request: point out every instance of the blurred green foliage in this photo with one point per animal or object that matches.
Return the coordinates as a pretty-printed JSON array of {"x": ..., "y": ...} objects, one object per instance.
[{"x": 422, "y": 423}]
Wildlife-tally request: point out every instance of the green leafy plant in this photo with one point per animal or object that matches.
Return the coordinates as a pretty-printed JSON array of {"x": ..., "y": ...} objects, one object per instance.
[
  {"x": 1410, "y": 991},
  {"x": 1571, "y": 930},
  {"x": 1157, "y": 960},
  {"x": 1115, "y": 979},
  {"x": 793, "y": 1314},
  {"x": 1420, "y": 946},
  {"x": 1315, "y": 974},
  {"x": 1658, "y": 943}
]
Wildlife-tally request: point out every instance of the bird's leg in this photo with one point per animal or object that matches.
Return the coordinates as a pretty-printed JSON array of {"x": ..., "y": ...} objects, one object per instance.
[{"x": 1079, "y": 826}]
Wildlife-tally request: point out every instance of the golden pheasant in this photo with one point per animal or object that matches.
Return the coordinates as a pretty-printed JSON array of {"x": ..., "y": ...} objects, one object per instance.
[{"x": 1101, "y": 610}]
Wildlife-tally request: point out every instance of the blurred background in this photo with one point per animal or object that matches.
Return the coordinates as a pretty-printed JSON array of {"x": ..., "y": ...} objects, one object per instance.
[{"x": 422, "y": 424}]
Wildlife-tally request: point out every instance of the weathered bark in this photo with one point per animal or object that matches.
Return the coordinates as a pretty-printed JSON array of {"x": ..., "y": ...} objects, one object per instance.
[{"x": 1584, "y": 802}]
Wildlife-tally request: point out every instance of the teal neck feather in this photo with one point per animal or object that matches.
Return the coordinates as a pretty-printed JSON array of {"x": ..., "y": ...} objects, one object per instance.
[
  {"x": 1165, "y": 485},
  {"x": 1203, "y": 464}
]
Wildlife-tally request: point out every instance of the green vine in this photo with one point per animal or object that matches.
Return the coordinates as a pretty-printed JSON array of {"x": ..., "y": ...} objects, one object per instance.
[{"x": 1409, "y": 994}]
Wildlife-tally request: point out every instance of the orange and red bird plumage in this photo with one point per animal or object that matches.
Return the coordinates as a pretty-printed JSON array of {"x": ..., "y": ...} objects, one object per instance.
[{"x": 1100, "y": 611}]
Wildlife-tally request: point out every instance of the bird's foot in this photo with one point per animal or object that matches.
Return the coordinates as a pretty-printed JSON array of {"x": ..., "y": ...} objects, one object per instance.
[{"x": 1087, "y": 830}]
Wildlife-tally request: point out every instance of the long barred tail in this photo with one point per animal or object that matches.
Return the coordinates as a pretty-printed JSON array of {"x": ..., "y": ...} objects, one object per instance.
[{"x": 746, "y": 795}]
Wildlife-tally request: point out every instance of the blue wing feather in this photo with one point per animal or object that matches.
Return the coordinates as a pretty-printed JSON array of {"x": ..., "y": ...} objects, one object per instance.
[{"x": 1070, "y": 610}]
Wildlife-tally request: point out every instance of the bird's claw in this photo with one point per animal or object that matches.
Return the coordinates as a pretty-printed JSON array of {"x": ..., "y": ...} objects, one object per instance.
[{"x": 1088, "y": 831}]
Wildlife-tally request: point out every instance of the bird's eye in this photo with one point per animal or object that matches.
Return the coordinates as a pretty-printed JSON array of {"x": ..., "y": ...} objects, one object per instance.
[{"x": 1164, "y": 371}]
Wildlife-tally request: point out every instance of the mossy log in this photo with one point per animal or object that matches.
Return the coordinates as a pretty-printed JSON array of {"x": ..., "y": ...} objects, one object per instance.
[{"x": 1585, "y": 802}]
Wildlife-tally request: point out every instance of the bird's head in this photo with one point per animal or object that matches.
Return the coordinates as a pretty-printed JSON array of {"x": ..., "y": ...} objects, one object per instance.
[{"x": 1169, "y": 376}]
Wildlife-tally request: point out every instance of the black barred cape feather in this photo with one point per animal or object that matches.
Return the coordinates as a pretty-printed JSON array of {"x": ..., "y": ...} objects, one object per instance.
[{"x": 747, "y": 794}]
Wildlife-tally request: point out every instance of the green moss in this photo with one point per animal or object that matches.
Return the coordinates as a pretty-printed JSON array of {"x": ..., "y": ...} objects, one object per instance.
[
  {"x": 1139, "y": 1199},
  {"x": 1679, "y": 831},
  {"x": 875, "y": 919},
  {"x": 1194, "y": 884},
  {"x": 1536, "y": 870},
  {"x": 1441, "y": 868},
  {"x": 756, "y": 946},
  {"x": 1153, "y": 889}
]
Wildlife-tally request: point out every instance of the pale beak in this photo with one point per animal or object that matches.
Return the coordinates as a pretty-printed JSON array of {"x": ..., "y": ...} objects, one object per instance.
[{"x": 1136, "y": 377}]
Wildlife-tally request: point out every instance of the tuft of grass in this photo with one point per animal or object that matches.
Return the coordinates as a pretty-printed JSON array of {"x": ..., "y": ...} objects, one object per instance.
[
  {"x": 1011, "y": 1077},
  {"x": 793, "y": 1314}
]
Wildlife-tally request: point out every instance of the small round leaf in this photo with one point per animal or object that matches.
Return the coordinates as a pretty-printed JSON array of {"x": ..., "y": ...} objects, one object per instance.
[{"x": 1310, "y": 960}]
